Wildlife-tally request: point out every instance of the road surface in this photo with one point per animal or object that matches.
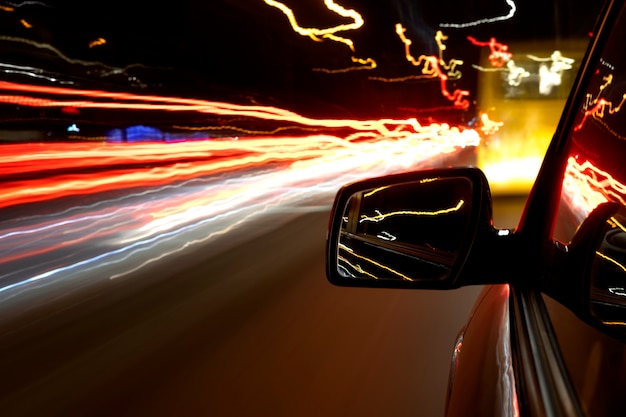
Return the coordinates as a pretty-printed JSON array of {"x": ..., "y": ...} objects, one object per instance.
[{"x": 254, "y": 330}]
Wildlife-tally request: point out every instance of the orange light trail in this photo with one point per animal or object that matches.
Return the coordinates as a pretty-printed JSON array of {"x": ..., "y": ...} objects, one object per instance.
[
  {"x": 97, "y": 42},
  {"x": 432, "y": 68}
]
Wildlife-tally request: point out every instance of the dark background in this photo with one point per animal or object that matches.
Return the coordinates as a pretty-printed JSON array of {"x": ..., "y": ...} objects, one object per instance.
[{"x": 244, "y": 51}]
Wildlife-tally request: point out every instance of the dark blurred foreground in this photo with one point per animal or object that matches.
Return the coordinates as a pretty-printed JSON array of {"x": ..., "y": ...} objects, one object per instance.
[{"x": 250, "y": 332}]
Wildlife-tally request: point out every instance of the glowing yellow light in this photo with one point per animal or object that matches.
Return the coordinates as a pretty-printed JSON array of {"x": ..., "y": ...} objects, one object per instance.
[
  {"x": 97, "y": 42},
  {"x": 331, "y": 32},
  {"x": 374, "y": 191},
  {"x": 377, "y": 264},
  {"x": 380, "y": 217},
  {"x": 25, "y": 24},
  {"x": 407, "y": 44},
  {"x": 489, "y": 127},
  {"x": 618, "y": 224},
  {"x": 357, "y": 20},
  {"x": 613, "y": 261}
]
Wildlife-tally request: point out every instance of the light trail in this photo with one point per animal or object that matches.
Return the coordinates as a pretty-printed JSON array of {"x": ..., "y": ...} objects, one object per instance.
[
  {"x": 384, "y": 216},
  {"x": 331, "y": 32},
  {"x": 122, "y": 234},
  {"x": 598, "y": 107},
  {"x": 507, "y": 16},
  {"x": 125, "y": 101},
  {"x": 150, "y": 201},
  {"x": 552, "y": 75},
  {"x": 433, "y": 67},
  {"x": 587, "y": 186},
  {"x": 499, "y": 53},
  {"x": 97, "y": 42}
]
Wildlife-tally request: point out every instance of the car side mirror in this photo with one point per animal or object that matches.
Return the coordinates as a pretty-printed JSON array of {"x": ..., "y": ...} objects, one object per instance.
[
  {"x": 604, "y": 279},
  {"x": 590, "y": 272},
  {"x": 412, "y": 230}
]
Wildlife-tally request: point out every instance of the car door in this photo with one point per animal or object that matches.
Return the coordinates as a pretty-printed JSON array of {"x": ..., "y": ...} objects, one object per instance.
[
  {"x": 553, "y": 340},
  {"x": 567, "y": 309},
  {"x": 585, "y": 295},
  {"x": 546, "y": 335}
]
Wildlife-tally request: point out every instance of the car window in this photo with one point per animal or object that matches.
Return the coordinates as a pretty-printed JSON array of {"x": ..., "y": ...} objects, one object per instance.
[{"x": 594, "y": 174}]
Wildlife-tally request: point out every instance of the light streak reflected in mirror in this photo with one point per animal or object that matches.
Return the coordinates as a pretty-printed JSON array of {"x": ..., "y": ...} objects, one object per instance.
[
  {"x": 608, "y": 273},
  {"x": 408, "y": 231}
]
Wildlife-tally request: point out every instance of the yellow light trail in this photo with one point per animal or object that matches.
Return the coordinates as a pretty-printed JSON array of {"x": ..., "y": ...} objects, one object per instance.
[
  {"x": 611, "y": 260},
  {"x": 382, "y": 216},
  {"x": 371, "y": 261},
  {"x": 331, "y": 32}
]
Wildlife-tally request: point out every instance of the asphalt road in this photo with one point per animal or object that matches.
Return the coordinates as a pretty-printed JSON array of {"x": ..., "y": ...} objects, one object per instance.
[{"x": 254, "y": 330}]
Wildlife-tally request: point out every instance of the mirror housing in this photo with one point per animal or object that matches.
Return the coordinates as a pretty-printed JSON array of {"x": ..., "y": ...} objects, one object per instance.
[
  {"x": 597, "y": 260},
  {"x": 606, "y": 280},
  {"x": 429, "y": 229},
  {"x": 588, "y": 275}
]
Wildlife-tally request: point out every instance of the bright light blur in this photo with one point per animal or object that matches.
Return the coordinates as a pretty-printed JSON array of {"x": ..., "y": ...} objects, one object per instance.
[
  {"x": 529, "y": 113},
  {"x": 117, "y": 153},
  {"x": 113, "y": 209}
]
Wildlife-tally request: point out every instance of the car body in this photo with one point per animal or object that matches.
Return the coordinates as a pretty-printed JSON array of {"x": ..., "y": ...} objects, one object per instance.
[{"x": 546, "y": 335}]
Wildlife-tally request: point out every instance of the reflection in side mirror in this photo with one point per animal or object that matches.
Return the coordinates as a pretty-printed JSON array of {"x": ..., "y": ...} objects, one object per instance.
[
  {"x": 408, "y": 230},
  {"x": 417, "y": 227},
  {"x": 607, "y": 278}
]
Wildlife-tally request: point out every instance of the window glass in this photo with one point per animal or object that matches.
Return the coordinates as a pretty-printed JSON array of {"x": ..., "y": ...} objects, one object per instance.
[
  {"x": 595, "y": 164},
  {"x": 594, "y": 174}
]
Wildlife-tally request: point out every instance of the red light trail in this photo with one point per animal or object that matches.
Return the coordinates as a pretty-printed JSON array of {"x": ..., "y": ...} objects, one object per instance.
[
  {"x": 142, "y": 202},
  {"x": 125, "y": 101},
  {"x": 587, "y": 186},
  {"x": 598, "y": 107},
  {"x": 499, "y": 53},
  {"x": 432, "y": 67}
]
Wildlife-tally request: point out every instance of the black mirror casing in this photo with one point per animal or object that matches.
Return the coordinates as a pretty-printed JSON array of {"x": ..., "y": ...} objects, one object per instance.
[
  {"x": 588, "y": 275},
  {"x": 429, "y": 229}
]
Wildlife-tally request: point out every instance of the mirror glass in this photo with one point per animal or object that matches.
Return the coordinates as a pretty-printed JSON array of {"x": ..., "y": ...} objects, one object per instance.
[
  {"x": 405, "y": 231},
  {"x": 608, "y": 273}
]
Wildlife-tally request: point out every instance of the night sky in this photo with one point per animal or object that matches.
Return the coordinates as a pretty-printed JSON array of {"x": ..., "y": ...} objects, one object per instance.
[{"x": 245, "y": 51}]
